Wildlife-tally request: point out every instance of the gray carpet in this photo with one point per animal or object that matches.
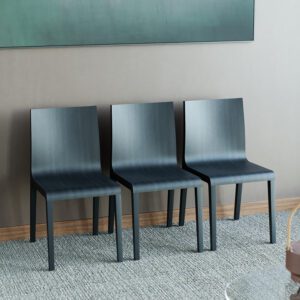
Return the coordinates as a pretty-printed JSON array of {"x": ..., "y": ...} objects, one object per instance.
[{"x": 169, "y": 267}]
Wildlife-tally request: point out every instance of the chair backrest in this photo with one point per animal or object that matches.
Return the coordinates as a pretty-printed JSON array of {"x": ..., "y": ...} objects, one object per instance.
[
  {"x": 64, "y": 140},
  {"x": 143, "y": 135},
  {"x": 214, "y": 130}
]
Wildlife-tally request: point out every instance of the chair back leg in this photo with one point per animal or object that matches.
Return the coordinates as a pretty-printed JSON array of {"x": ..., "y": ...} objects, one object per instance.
[
  {"x": 182, "y": 206},
  {"x": 95, "y": 215},
  {"x": 32, "y": 213},
  {"x": 238, "y": 199},
  {"x": 272, "y": 211},
  {"x": 170, "y": 208},
  {"x": 111, "y": 214}
]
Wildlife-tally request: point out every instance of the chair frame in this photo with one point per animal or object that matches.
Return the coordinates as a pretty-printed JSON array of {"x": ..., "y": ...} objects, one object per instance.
[
  {"x": 34, "y": 188},
  {"x": 212, "y": 193},
  {"x": 135, "y": 200}
]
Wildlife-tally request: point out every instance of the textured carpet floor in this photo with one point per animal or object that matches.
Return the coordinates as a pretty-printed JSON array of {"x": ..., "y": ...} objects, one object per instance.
[{"x": 169, "y": 267}]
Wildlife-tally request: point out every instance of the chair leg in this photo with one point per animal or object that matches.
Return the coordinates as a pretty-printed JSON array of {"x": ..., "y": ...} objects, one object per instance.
[
  {"x": 118, "y": 217},
  {"x": 135, "y": 221},
  {"x": 170, "y": 208},
  {"x": 238, "y": 198},
  {"x": 111, "y": 214},
  {"x": 272, "y": 211},
  {"x": 213, "y": 217},
  {"x": 199, "y": 222},
  {"x": 49, "y": 212},
  {"x": 95, "y": 215},
  {"x": 32, "y": 214},
  {"x": 182, "y": 206}
]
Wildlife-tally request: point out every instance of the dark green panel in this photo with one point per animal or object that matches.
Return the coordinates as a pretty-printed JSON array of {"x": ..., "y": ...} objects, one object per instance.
[{"x": 29, "y": 23}]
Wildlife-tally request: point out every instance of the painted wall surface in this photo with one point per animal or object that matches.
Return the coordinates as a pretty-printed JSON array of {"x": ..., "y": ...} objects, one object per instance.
[{"x": 265, "y": 73}]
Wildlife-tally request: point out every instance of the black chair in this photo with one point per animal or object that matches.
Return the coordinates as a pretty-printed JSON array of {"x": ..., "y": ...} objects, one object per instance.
[
  {"x": 65, "y": 164},
  {"x": 144, "y": 159},
  {"x": 214, "y": 150}
]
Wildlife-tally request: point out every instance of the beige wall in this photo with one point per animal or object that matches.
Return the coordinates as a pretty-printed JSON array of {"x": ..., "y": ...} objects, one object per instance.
[{"x": 266, "y": 73}]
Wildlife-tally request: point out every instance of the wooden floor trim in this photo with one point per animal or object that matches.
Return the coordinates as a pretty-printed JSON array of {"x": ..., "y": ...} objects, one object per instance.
[{"x": 146, "y": 219}]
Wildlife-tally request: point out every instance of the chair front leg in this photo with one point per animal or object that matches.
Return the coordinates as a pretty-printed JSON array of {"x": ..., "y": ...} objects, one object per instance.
[
  {"x": 199, "y": 221},
  {"x": 170, "y": 208},
  {"x": 238, "y": 198},
  {"x": 118, "y": 217},
  {"x": 213, "y": 217},
  {"x": 182, "y": 206},
  {"x": 95, "y": 215},
  {"x": 272, "y": 211},
  {"x": 49, "y": 213},
  {"x": 135, "y": 224},
  {"x": 32, "y": 213}
]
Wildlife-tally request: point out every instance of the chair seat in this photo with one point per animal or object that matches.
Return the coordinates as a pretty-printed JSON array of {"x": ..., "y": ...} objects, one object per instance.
[
  {"x": 227, "y": 172},
  {"x": 75, "y": 185},
  {"x": 146, "y": 179}
]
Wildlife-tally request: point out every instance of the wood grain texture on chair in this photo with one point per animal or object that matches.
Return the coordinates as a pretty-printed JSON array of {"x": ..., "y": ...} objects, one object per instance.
[{"x": 214, "y": 143}]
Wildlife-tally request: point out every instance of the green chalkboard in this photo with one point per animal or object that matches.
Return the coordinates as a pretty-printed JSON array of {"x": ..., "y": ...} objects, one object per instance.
[{"x": 30, "y": 23}]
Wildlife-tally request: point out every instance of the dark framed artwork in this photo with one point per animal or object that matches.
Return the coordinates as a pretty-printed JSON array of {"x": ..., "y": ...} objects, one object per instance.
[{"x": 36, "y": 23}]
